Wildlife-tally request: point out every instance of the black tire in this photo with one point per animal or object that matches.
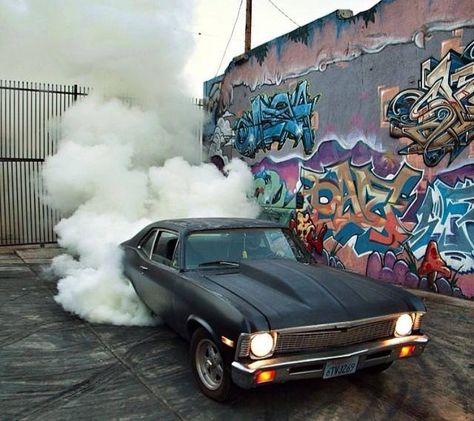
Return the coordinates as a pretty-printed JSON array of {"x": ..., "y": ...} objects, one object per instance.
[
  {"x": 375, "y": 369},
  {"x": 208, "y": 367}
]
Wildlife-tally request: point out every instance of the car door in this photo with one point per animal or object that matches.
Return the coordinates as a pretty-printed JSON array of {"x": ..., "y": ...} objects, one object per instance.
[
  {"x": 161, "y": 271},
  {"x": 137, "y": 261}
]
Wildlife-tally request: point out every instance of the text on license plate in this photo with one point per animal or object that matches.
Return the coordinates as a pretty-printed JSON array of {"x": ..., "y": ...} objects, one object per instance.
[{"x": 340, "y": 367}]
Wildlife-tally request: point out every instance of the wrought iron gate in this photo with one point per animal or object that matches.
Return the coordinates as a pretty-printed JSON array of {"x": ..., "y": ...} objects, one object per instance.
[{"x": 29, "y": 131}]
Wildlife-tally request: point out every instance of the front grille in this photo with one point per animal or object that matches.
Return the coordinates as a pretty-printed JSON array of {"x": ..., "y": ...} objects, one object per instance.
[
  {"x": 244, "y": 346},
  {"x": 417, "y": 321},
  {"x": 318, "y": 340}
]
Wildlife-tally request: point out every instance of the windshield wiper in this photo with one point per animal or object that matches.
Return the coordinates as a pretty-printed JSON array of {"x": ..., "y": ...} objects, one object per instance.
[{"x": 219, "y": 262}]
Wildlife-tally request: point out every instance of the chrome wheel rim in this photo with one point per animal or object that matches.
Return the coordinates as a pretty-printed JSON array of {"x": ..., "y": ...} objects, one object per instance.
[{"x": 209, "y": 364}]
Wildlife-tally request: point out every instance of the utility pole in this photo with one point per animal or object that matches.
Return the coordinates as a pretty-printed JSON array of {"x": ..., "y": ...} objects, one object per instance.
[{"x": 248, "y": 25}]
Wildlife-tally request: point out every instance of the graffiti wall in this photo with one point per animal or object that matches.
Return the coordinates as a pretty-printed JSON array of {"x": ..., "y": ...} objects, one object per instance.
[{"x": 359, "y": 133}]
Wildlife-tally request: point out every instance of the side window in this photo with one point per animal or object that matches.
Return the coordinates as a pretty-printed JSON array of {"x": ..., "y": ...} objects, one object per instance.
[
  {"x": 147, "y": 242},
  {"x": 165, "y": 247}
]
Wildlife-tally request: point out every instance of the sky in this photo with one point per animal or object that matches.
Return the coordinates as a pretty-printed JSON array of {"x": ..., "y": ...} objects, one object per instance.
[{"x": 214, "y": 19}]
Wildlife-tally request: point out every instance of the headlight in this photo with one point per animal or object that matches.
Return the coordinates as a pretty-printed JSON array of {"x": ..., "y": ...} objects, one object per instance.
[
  {"x": 261, "y": 344},
  {"x": 404, "y": 325}
]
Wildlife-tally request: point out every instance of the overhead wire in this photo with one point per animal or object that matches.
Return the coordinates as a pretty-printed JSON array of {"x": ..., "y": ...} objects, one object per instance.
[
  {"x": 283, "y": 13},
  {"x": 230, "y": 37}
]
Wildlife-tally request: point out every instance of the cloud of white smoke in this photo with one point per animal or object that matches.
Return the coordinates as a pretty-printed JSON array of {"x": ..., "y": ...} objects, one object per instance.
[
  {"x": 121, "y": 47},
  {"x": 118, "y": 166}
]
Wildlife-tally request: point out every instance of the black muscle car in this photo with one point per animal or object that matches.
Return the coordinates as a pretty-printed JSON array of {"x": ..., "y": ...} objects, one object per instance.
[{"x": 258, "y": 310}]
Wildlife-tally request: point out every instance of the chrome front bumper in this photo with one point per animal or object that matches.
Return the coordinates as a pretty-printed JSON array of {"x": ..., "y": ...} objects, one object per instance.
[{"x": 305, "y": 366}]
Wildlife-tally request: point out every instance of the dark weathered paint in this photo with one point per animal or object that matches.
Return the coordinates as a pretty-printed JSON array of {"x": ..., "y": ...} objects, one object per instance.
[{"x": 290, "y": 293}]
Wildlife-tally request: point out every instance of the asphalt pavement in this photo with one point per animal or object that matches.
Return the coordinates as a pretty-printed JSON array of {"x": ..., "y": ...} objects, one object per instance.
[{"x": 55, "y": 366}]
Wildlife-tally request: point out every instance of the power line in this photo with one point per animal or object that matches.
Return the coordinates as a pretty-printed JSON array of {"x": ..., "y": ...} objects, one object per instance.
[
  {"x": 231, "y": 34},
  {"x": 283, "y": 13}
]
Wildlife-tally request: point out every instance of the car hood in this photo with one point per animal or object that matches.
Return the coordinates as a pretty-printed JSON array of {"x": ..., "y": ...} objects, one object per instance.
[{"x": 290, "y": 293}]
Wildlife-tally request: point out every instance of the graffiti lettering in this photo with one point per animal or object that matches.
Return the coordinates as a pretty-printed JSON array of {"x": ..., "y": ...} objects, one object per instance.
[
  {"x": 447, "y": 216},
  {"x": 354, "y": 201},
  {"x": 276, "y": 119},
  {"x": 439, "y": 116}
]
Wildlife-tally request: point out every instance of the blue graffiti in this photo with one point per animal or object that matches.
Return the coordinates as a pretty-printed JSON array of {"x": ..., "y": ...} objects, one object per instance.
[
  {"x": 447, "y": 216},
  {"x": 276, "y": 119}
]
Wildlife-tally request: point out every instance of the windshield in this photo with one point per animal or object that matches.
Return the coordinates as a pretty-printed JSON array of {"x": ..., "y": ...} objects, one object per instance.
[{"x": 230, "y": 247}]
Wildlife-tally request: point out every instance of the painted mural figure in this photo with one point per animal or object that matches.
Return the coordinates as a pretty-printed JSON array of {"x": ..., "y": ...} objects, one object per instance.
[
  {"x": 221, "y": 137},
  {"x": 439, "y": 116},
  {"x": 271, "y": 191},
  {"x": 313, "y": 237},
  {"x": 276, "y": 119}
]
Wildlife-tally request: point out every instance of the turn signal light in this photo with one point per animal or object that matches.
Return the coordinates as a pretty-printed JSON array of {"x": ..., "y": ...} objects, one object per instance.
[
  {"x": 406, "y": 351},
  {"x": 227, "y": 341},
  {"x": 265, "y": 376}
]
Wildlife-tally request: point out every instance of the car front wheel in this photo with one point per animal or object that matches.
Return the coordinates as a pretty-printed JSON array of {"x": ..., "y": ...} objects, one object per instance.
[{"x": 208, "y": 367}]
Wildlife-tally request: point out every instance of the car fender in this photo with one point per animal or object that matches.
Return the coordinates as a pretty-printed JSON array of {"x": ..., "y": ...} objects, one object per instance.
[
  {"x": 227, "y": 352},
  {"x": 205, "y": 325}
]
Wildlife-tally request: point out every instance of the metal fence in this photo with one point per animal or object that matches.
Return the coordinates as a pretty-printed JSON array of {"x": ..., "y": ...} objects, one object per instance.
[
  {"x": 30, "y": 114},
  {"x": 29, "y": 131}
]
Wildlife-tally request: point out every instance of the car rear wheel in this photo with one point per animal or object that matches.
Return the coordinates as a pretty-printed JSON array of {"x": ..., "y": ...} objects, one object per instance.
[{"x": 208, "y": 367}]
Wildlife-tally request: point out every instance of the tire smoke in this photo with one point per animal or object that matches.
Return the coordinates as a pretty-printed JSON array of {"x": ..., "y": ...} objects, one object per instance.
[{"x": 120, "y": 164}]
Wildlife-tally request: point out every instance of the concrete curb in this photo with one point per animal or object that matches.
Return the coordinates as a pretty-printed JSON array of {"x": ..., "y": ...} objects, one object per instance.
[{"x": 443, "y": 299}]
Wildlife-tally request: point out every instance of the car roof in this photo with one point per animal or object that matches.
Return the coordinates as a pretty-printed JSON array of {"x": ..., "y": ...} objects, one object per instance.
[
  {"x": 188, "y": 225},
  {"x": 201, "y": 224}
]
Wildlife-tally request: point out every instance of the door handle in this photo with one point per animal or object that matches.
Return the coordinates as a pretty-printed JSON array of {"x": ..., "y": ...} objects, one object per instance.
[{"x": 143, "y": 268}]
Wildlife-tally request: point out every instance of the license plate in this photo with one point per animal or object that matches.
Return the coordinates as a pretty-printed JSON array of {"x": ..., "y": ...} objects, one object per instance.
[{"x": 340, "y": 367}]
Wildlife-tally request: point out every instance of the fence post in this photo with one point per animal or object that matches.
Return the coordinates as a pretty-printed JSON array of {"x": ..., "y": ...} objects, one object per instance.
[{"x": 74, "y": 91}]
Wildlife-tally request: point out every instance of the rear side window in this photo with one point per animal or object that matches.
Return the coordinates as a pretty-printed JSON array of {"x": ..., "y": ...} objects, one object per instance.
[
  {"x": 147, "y": 243},
  {"x": 165, "y": 246}
]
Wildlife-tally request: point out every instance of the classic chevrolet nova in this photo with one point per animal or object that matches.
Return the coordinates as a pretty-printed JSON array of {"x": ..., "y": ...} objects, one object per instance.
[{"x": 257, "y": 309}]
